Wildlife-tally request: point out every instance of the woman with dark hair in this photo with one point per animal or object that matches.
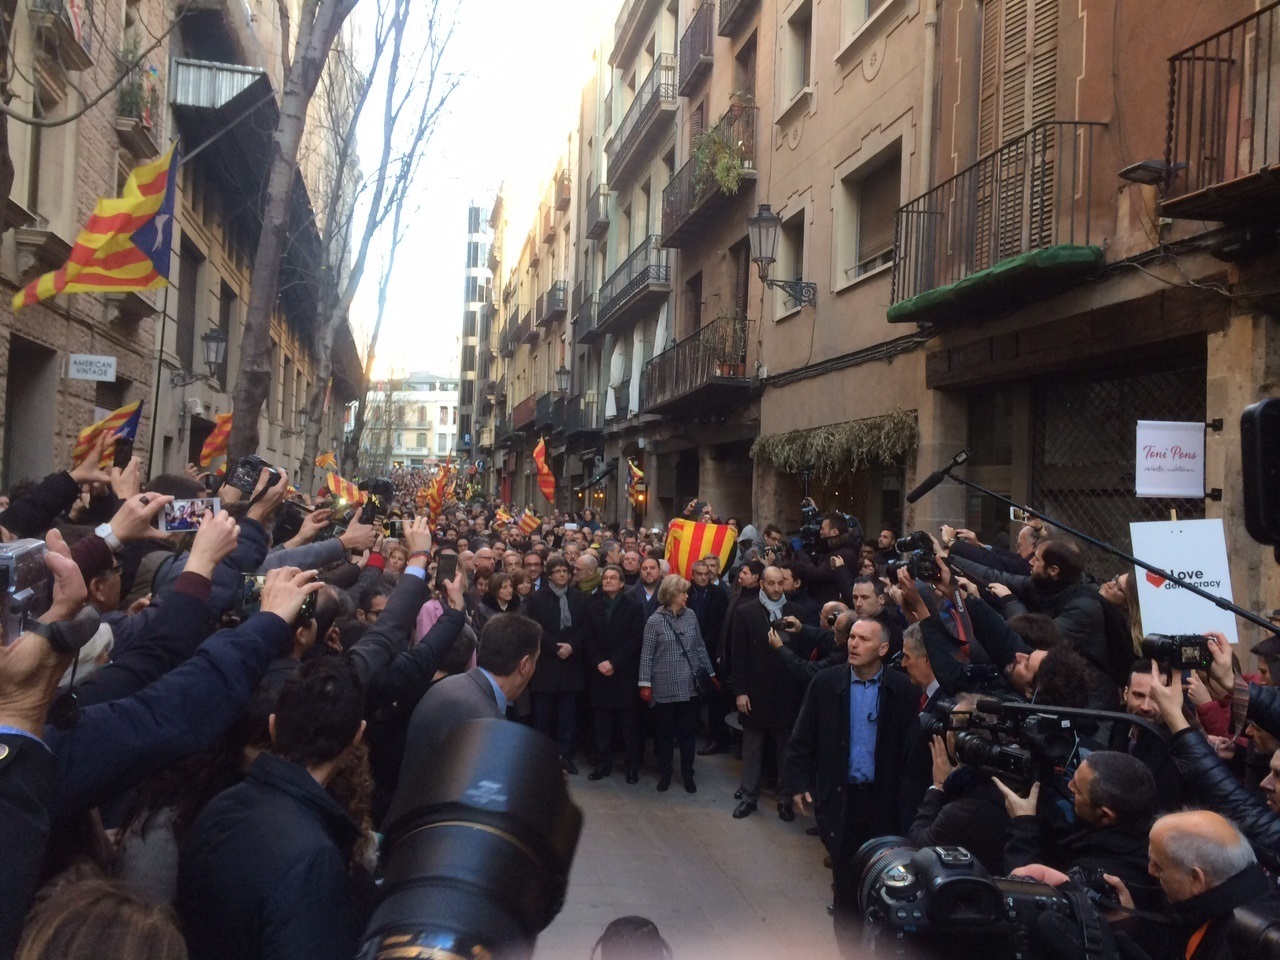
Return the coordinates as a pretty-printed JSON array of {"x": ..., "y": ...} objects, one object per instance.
[
  {"x": 672, "y": 649},
  {"x": 500, "y": 597}
]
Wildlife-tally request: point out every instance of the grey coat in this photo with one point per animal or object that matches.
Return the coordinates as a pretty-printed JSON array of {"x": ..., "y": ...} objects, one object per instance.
[{"x": 663, "y": 664}]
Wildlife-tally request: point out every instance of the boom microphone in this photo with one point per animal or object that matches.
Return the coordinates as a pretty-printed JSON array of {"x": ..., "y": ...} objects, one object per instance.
[{"x": 935, "y": 478}]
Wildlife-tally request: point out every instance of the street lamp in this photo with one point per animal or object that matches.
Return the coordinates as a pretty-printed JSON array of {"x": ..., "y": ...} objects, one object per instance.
[
  {"x": 303, "y": 416},
  {"x": 763, "y": 229},
  {"x": 215, "y": 350},
  {"x": 562, "y": 379}
]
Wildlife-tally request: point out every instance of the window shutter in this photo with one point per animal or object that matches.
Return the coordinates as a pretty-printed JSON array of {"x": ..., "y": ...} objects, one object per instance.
[
  {"x": 989, "y": 85},
  {"x": 697, "y": 121},
  {"x": 878, "y": 195},
  {"x": 1014, "y": 68},
  {"x": 1044, "y": 61},
  {"x": 741, "y": 263}
]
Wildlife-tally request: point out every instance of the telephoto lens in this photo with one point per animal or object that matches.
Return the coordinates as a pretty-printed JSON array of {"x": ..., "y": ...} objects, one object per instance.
[{"x": 479, "y": 842}]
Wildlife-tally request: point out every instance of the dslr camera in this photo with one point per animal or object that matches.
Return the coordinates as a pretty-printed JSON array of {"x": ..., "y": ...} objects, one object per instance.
[
  {"x": 915, "y": 555},
  {"x": 941, "y": 900},
  {"x": 1179, "y": 651},
  {"x": 381, "y": 492},
  {"x": 244, "y": 475},
  {"x": 25, "y": 585}
]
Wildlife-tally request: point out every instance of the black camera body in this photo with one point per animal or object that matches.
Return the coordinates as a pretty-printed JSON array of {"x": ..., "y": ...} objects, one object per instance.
[
  {"x": 810, "y": 531},
  {"x": 915, "y": 555},
  {"x": 942, "y": 898},
  {"x": 1181, "y": 651},
  {"x": 244, "y": 475},
  {"x": 381, "y": 492}
]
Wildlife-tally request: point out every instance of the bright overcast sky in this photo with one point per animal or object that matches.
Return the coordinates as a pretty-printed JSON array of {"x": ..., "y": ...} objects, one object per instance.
[{"x": 523, "y": 66}]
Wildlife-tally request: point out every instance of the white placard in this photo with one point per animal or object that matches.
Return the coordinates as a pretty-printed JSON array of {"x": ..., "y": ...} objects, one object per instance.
[
  {"x": 87, "y": 366},
  {"x": 1169, "y": 459},
  {"x": 1196, "y": 551}
]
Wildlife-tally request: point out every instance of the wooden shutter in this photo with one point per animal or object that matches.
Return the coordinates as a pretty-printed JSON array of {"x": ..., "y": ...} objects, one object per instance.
[
  {"x": 697, "y": 121},
  {"x": 741, "y": 278},
  {"x": 878, "y": 194},
  {"x": 989, "y": 84}
]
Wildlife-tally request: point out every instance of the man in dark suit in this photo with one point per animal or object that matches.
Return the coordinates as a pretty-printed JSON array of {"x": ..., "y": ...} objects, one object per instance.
[
  {"x": 767, "y": 696},
  {"x": 615, "y": 635},
  {"x": 710, "y": 604},
  {"x": 846, "y": 756},
  {"x": 560, "y": 676},
  {"x": 506, "y": 658},
  {"x": 646, "y": 589}
]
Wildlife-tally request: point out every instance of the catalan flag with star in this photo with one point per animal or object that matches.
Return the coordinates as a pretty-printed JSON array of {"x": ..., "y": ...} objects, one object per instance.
[
  {"x": 123, "y": 423},
  {"x": 126, "y": 243}
]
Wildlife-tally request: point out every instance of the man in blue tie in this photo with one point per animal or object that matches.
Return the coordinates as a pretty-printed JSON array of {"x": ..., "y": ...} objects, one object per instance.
[{"x": 848, "y": 755}]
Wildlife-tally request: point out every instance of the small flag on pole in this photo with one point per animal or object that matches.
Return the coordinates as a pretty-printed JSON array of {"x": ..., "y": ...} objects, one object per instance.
[
  {"x": 123, "y": 422},
  {"x": 215, "y": 445},
  {"x": 528, "y": 522}
]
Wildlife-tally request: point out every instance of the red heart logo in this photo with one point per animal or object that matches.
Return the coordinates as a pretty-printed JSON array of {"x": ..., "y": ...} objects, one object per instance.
[{"x": 1155, "y": 580}]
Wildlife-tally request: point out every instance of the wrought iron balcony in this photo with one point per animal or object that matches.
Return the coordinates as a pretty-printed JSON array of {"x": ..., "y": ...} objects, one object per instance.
[
  {"x": 527, "y": 332},
  {"x": 563, "y": 190},
  {"x": 621, "y": 401},
  {"x": 503, "y": 432},
  {"x": 695, "y": 193},
  {"x": 552, "y": 305},
  {"x": 510, "y": 336},
  {"x": 542, "y": 411},
  {"x": 598, "y": 213},
  {"x": 1032, "y": 194},
  {"x": 522, "y": 417},
  {"x": 585, "y": 325},
  {"x": 695, "y": 48},
  {"x": 707, "y": 370},
  {"x": 629, "y": 29},
  {"x": 583, "y": 415},
  {"x": 646, "y": 122},
  {"x": 548, "y": 225},
  {"x": 641, "y": 283},
  {"x": 70, "y": 31},
  {"x": 733, "y": 14},
  {"x": 1223, "y": 153}
]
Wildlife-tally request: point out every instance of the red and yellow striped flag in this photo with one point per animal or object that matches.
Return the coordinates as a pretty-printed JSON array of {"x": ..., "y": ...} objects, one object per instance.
[
  {"x": 528, "y": 522},
  {"x": 546, "y": 479},
  {"x": 215, "y": 445},
  {"x": 327, "y": 461},
  {"x": 126, "y": 243},
  {"x": 689, "y": 541},
  {"x": 122, "y": 422},
  {"x": 345, "y": 489},
  {"x": 501, "y": 518}
]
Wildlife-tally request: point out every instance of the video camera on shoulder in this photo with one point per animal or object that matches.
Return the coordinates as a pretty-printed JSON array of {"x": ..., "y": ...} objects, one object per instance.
[
  {"x": 1179, "y": 651},
  {"x": 244, "y": 475},
  {"x": 915, "y": 555},
  {"x": 25, "y": 585},
  {"x": 810, "y": 531}
]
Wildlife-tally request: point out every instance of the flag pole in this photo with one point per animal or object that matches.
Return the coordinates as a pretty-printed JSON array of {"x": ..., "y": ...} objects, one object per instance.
[{"x": 155, "y": 403}]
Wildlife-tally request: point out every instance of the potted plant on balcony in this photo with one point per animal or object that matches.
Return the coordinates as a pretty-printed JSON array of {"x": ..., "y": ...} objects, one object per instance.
[
  {"x": 739, "y": 100},
  {"x": 716, "y": 154}
]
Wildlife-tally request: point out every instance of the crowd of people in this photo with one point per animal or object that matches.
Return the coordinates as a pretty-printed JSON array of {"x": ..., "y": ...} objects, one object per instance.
[{"x": 201, "y": 733}]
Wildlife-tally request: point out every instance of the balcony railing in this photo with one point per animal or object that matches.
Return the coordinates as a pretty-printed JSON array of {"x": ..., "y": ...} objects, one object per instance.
[
  {"x": 522, "y": 416},
  {"x": 510, "y": 338},
  {"x": 711, "y": 363},
  {"x": 527, "y": 332},
  {"x": 655, "y": 99},
  {"x": 542, "y": 411},
  {"x": 621, "y": 401},
  {"x": 563, "y": 190},
  {"x": 629, "y": 28},
  {"x": 1223, "y": 147},
  {"x": 695, "y": 48},
  {"x": 643, "y": 278},
  {"x": 733, "y": 14},
  {"x": 598, "y": 213},
  {"x": 503, "y": 433},
  {"x": 70, "y": 30},
  {"x": 695, "y": 193},
  {"x": 1031, "y": 194},
  {"x": 583, "y": 415},
  {"x": 586, "y": 325},
  {"x": 553, "y": 304},
  {"x": 548, "y": 224}
]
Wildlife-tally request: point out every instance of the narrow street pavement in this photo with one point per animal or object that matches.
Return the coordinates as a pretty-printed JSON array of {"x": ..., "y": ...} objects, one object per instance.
[{"x": 715, "y": 886}]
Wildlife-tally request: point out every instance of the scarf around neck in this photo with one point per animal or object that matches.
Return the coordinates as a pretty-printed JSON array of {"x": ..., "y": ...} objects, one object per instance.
[
  {"x": 773, "y": 606},
  {"x": 566, "y": 619}
]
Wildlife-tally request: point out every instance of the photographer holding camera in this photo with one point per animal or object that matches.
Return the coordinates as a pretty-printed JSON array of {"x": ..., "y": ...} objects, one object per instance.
[{"x": 834, "y": 537}]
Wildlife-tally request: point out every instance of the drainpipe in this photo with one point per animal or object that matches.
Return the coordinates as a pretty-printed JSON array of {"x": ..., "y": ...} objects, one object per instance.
[{"x": 930, "y": 85}]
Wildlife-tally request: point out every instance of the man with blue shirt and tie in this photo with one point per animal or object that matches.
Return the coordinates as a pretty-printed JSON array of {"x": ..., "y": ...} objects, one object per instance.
[{"x": 847, "y": 757}]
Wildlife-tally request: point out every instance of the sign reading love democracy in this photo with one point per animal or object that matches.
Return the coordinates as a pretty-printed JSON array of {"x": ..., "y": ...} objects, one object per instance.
[
  {"x": 1169, "y": 459},
  {"x": 1196, "y": 551}
]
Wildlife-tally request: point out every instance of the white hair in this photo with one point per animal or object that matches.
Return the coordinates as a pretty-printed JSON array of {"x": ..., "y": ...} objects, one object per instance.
[{"x": 1187, "y": 849}]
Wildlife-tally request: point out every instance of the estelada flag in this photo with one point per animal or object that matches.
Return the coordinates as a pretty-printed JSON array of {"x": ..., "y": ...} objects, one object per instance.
[
  {"x": 327, "y": 461},
  {"x": 123, "y": 422},
  {"x": 634, "y": 476},
  {"x": 215, "y": 445},
  {"x": 546, "y": 479},
  {"x": 344, "y": 488},
  {"x": 529, "y": 522},
  {"x": 689, "y": 541},
  {"x": 126, "y": 244}
]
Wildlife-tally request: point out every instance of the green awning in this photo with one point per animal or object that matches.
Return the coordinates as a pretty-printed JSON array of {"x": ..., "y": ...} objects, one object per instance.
[{"x": 1030, "y": 276}]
